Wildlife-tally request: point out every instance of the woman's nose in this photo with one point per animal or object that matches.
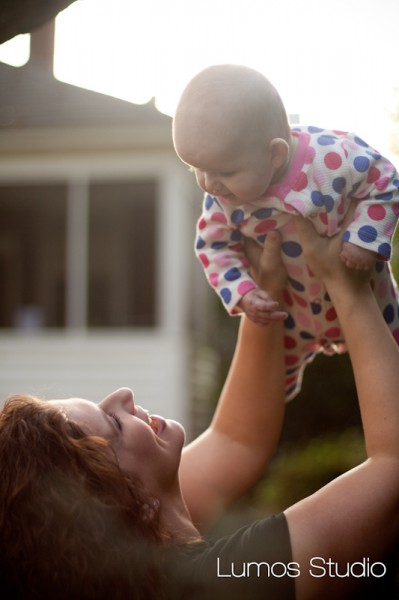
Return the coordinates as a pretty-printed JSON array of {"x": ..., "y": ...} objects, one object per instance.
[{"x": 122, "y": 398}]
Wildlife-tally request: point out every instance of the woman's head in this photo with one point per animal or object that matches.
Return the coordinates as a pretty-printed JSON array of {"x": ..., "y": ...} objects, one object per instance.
[
  {"x": 146, "y": 447},
  {"x": 73, "y": 523}
]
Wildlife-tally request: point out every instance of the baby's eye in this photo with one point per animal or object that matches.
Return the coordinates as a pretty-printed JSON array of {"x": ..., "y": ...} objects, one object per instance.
[{"x": 226, "y": 173}]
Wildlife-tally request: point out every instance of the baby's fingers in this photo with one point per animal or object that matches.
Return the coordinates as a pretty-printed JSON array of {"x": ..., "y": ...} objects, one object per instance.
[
  {"x": 265, "y": 311},
  {"x": 266, "y": 318}
]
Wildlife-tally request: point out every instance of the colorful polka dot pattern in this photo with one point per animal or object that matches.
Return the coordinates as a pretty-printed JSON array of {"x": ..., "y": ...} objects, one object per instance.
[{"x": 329, "y": 170}]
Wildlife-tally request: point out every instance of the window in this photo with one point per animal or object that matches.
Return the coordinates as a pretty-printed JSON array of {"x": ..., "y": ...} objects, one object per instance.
[
  {"x": 120, "y": 234},
  {"x": 122, "y": 254},
  {"x": 32, "y": 256}
]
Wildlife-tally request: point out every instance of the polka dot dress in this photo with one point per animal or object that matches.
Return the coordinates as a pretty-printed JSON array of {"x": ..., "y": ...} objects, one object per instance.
[{"x": 330, "y": 169}]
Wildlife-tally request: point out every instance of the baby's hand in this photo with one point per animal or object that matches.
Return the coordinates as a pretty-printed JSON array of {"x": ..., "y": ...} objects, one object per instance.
[
  {"x": 358, "y": 258},
  {"x": 260, "y": 308}
]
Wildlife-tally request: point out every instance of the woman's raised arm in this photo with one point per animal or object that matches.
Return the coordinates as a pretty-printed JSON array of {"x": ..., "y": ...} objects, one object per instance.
[
  {"x": 356, "y": 516},
  {"x": 231, "y": 454}
]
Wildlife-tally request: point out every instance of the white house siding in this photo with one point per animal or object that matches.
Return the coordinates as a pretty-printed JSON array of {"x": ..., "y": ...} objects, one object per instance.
[{"x": 59, "y": 364}]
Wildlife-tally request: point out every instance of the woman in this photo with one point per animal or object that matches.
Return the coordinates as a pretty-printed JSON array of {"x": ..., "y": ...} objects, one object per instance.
[{"x": 99, "y": 501}]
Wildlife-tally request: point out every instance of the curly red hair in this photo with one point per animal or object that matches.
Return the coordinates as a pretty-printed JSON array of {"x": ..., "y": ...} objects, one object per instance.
[{"x": 72, "y": 524}]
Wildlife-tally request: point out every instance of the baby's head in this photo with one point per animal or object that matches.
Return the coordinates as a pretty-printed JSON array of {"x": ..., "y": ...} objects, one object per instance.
[{"x": 231, "y": 127}]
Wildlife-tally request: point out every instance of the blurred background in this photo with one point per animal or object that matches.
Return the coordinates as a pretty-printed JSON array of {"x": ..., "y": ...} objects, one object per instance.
[{"x": 99, "y": 285}]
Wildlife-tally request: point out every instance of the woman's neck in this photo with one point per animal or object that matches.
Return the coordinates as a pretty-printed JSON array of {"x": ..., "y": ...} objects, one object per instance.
[{"x": 176, "y": 519}]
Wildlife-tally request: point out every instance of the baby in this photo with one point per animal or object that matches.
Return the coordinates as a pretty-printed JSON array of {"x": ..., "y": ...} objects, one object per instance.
[{"x": 232, "y": 129}]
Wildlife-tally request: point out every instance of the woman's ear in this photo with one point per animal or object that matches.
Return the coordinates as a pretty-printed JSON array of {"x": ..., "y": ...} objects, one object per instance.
[{"x": 279, "y": 149}]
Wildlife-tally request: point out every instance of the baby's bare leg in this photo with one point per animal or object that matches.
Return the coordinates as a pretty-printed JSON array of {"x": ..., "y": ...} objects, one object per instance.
[{"x": 355, "y": 257}]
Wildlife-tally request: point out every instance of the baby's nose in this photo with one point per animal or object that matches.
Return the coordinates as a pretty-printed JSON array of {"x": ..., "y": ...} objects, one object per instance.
[{"x": 212, "y": 185}]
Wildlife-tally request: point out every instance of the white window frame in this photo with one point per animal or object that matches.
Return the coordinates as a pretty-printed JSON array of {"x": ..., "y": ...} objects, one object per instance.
[{"x": 173, "y": 208}]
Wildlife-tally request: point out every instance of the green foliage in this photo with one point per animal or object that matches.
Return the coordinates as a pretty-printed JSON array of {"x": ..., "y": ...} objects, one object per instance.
[{"x": 300, "y": 471}]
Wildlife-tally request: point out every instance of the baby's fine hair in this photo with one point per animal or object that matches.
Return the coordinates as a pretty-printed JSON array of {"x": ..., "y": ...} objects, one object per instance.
[{"x": 242, "y": 91}]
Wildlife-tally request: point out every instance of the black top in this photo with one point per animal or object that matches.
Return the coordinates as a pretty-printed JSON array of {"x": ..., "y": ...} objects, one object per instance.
[{"x": 254, "y": 563}]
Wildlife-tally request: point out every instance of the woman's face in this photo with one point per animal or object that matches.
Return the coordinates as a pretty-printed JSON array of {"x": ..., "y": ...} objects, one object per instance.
[{"x": 148, "y": 447}]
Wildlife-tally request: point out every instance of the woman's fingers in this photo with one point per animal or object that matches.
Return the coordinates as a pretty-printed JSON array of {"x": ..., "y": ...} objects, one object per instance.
[
  {"x": 253, "y": 253},
  {"x": 349, "y": 215},
  {"x": 324, "y": 254},
  {"x": 266, "y": 264},
  {"x": 320, "y": 252},
  {"x": 307, "y": 232},
  {"x": 270, "y": 258}
]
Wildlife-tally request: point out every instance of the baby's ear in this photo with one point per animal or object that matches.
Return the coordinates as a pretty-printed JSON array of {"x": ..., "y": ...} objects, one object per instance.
[{"x": 279, "y": 151}]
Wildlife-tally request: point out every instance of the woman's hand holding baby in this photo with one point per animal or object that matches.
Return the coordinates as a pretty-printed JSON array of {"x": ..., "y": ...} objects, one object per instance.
[
  {"x": 324, "y": 257},
  {"x": 262, "y": 304}
]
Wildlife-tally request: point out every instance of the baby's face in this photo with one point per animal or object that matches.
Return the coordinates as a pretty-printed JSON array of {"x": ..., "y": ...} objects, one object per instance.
[
  {"x": 237, "y": 174},
  {"x": 226, "y": 138}
]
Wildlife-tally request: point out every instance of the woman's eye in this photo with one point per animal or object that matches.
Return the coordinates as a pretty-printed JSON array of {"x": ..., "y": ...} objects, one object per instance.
[
  {"x": 226, "y": 173},
  {"x": 117, "y": 420}
]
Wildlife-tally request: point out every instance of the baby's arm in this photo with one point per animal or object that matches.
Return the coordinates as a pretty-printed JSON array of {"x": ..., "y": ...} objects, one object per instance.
[
  {"x": 375, "y": 188},
  {"x": 259, "y": 307},
  {"x": 220, "y": 249},
  {"x": 355, "y": 257}
]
